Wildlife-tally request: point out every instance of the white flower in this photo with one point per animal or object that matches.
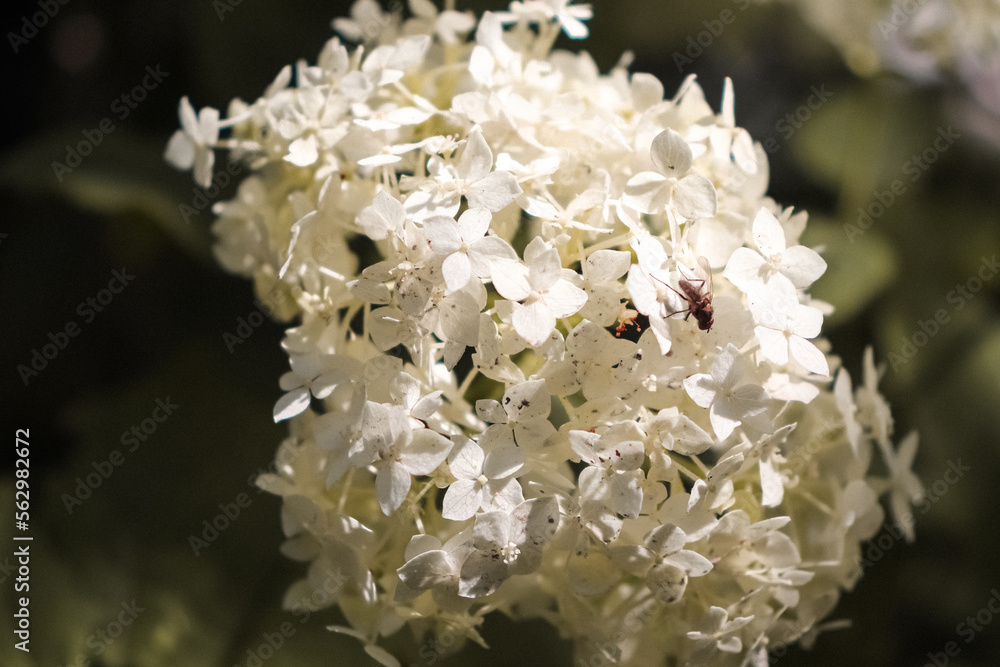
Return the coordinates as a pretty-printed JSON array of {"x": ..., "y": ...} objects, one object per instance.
[
  {"x": 783, "y": 327},
  {"x": 612, "y": 478},
  {"x": 691, "y": 195},
  {"x": 601, "y": 272},
  {"x": 542, "y": 289},
  {"x": 433, "y": 566},
  {"x": 520, "y": 419},
  {"x": 716, "y": 633},
  {"x": 192, "y": 146},
  {"x": 473, "y": 177},
  {"x": 507, "y": 543},
  {"x": 482, "y": 483},
  {"x": 456, "y": 228},
  {"x": 397, "y": 450},
  {"x": 311, "y": 373},
  {"x": 903, "y": 486},
  {"x": 796, "y": 267},
  {"x": 664, "y": 562},
  {"x": 468, "y": 251},
  {"x": 732, "y": 394},
  {"x": 570, "y": 17},
  {"x": 385, "y": 215}
]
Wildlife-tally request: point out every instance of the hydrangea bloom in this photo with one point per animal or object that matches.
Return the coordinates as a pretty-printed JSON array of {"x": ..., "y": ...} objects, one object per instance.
[
  {"x": 926, "y": 40},
  {"x": 497, "y": 401}
]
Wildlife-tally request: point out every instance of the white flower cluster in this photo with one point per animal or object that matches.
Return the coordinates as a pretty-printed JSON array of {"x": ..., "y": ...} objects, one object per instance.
[
  {"x": 555, "y": 355},
  {"x": 922, "y": 39}
]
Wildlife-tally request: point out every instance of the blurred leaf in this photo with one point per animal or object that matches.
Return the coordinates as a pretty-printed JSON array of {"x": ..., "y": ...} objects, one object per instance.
[
  {"x": 124, "y": 174},
  {"x": 856, "y": 273},
  {"x": 863, "y": 138}
]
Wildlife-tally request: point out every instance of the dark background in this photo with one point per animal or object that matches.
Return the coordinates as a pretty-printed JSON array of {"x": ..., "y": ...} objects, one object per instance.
[{"x": 162, "y": 336}]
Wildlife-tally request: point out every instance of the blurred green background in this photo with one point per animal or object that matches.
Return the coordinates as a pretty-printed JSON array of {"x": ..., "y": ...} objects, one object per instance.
[{"x": 161, "y": 337}]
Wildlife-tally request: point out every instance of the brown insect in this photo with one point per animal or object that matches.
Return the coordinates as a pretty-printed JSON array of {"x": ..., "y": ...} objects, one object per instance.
[{"x": 699, "y": 303}]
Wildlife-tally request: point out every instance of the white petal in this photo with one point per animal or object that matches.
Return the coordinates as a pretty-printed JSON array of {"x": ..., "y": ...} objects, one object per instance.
[
  {"x": 802, "y": 265},
  {"x": 477, "y": 158},
  {"x": 771, "y": 487},
  {"x": 481, "y": 575},
  {"x": 490, "y": 411},
  {"x": 385, "y": 214},
  {"x": 303, "y": 151},
  {"x": 180, "y": 150},
  {"x": 381, "y": 656},
  {"x": 743, "y": 268},
  {"x": 533, "y": 322},
  {"x": 426, "y": 570},
  {"x": 806, "y": 321},
  {"x": 188, "y": 117},
  {"x": 689, "y": 438},
  {"x": 503, "y": 462},
  {"x": 324, "y": 385},
  {"x": 665, "y": 539},
  {"x": 462, "y": 500},
  {"x": 494, "y": 191},
  {"x": 667, "y": 582},
  {"x": 503, "y": 495},
  {"x": 773, "y": 345},
  {"x": 606, "y": 265},
  {"x": 466, "y": 461},
  {"x": 671, "y": 154},
  {"x": 426, "y": 452},
  {"x": 692, "y": 562},
  {"x": 769, "y": 307},
  {"x": 583, "y": 443},
  {"x": 474, "y": 223},
  {"x": 510, "y": 278},
  {"x": 293, "y": 403},
  {"x": 768, "y": 233},
  {"x": 204, "y": 159},
  {"x": 457, "y": 270},
  {"x": 722, "y": 424},
  {"x": 646, "y": 192},
  {"x": 484, "y": 252},
  {"x": 391, "y": 486},
  {"x": 527, "y": 401},
  {"x": 808, "y": 355},
  {"x": 564, "y": 298},
  {"x": 492, "y": 529},
  {"x": 744, "y": 154},
  {"x": 694, "y": 197},
  {"x": 701, "y": 388},
  {"x": 443, "y": 235},
  {"x": 544, "y": 264}
]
